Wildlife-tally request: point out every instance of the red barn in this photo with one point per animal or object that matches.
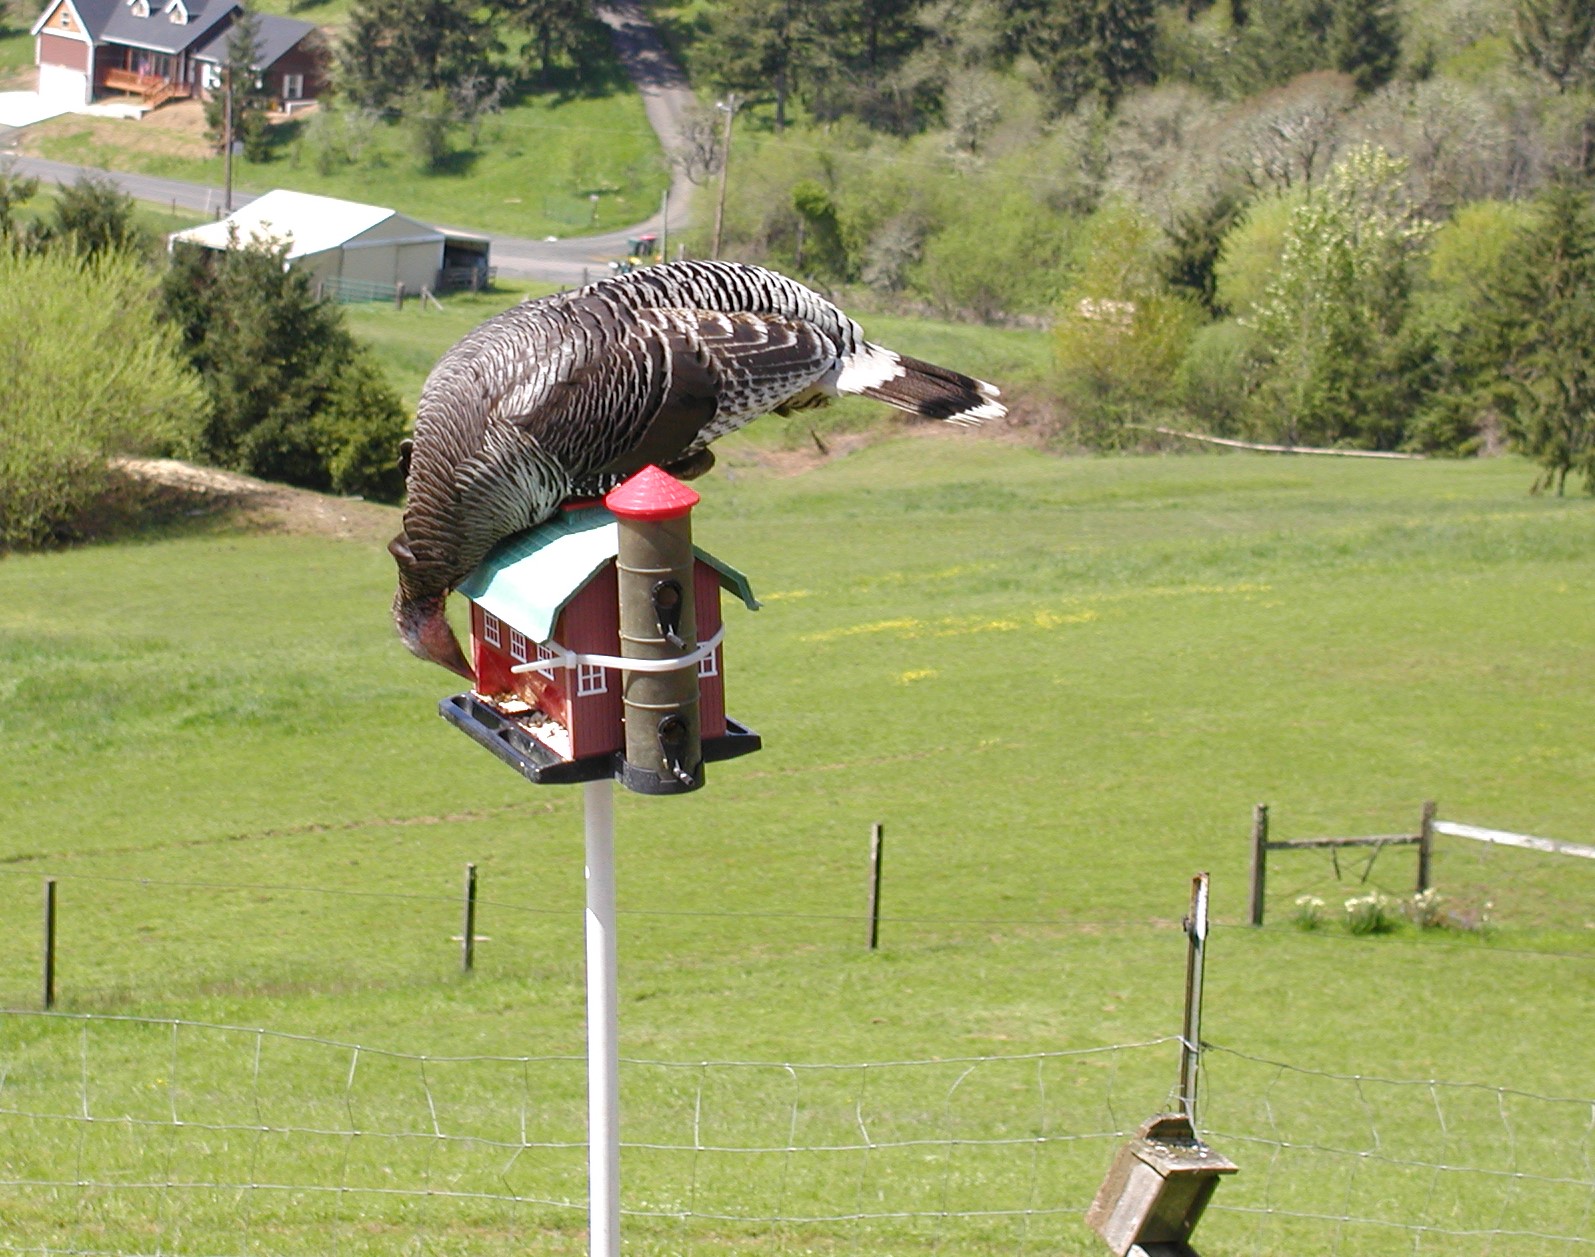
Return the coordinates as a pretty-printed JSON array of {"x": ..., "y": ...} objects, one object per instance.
[{"x": 551, "y": 593}]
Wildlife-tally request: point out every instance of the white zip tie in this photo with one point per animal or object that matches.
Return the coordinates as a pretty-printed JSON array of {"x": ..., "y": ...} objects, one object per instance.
[{"x": 562, "y": 658}]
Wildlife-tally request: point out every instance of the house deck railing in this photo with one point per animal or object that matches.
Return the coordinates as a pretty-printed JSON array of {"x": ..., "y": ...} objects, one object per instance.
[{"x": 152, "y": 89}]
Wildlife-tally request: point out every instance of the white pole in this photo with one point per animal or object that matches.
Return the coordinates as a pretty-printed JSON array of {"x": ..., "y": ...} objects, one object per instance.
[{"x": 603, "y": 1024}]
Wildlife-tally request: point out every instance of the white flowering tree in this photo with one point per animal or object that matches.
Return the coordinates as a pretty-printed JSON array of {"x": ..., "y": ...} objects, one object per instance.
[{"x": 1332, "y": 317}]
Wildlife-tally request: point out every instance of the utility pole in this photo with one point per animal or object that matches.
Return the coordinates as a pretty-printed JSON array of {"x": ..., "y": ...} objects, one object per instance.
[
  {"x": 729, "y": 105},
  {"x": 227, "y": 142}
]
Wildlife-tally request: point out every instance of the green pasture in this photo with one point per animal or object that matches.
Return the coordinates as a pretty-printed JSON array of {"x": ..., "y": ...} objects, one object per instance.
[
  {"x": 1060, "y": 685},
  {"x": 534, "y": 172},
  {"x": 16, "y": 52},
  {"x": 408, "y": 342}
]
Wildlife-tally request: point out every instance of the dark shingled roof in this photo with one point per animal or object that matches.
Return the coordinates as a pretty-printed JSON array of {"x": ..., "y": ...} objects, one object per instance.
[
  {"x": 113, "y": 21},
  {"x": 207, "y": 28},
  {"x": 277, "y": 36}
]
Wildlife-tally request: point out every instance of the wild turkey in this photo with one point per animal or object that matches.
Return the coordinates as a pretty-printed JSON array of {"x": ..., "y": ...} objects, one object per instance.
[{"x": 565, "y": 396}]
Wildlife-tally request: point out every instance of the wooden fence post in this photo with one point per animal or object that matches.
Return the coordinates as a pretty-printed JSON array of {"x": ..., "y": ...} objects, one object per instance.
[
  {"x": 468, "y": 939},
  {"x": 49, "y": 943},
  {"x": 876, "y": 841},
  {"x": 1425, "y": 844},
  {"x": 1259, "y": 859}
]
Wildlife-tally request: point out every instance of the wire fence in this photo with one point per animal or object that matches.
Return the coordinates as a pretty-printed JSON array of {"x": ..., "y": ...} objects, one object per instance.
[
  {"x": 450, "y": 903},
  {"x": 129, "y": 1136}
]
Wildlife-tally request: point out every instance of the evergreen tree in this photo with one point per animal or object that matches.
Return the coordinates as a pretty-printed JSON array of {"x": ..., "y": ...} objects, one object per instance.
[
  {"x": 15, "y": 191},
  {"x": 91, "y": 217},
  {"x": 557, "y": 28},
  {"x": 762, "y": 48},
  {"x": 293, "y": 396},
  {"x": 1196, "y": 241},
  {"x": 241, "y": 77},
  {"x": 1085, "y": 46},
  {"x": 1556, "y": 38},
  {"x": 394, "y": 48},
  {"x": 1365, "y": 42},
  {"x": 1124, "y": 47},
  {"x": 1543, "y": 307}
]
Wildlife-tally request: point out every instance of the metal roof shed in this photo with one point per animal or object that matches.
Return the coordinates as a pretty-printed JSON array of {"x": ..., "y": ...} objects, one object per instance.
[{"x": 337, "y": 242}]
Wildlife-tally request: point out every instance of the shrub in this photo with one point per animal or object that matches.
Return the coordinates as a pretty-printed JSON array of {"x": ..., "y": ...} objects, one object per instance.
[
  {"x": 1215, "y": 378},
  {"x": 1121, "y": 334},
  {"x": 89, "y": 372}
]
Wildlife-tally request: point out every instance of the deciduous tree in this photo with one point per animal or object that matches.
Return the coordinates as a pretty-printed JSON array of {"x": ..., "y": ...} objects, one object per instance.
[
  {"x": 1332, "y": 316},
  {"x": 1556, "y": 38}
]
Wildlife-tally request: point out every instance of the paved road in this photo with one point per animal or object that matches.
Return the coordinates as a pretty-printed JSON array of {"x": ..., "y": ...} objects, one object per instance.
[{"x": 666, "y": 98}]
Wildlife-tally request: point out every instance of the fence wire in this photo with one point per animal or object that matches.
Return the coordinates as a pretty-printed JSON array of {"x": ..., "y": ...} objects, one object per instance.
[{"x": 127, "y": 1136}]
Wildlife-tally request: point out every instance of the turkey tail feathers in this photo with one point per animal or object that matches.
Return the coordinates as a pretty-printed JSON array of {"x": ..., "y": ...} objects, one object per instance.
[{"x": 921, "y": 388}]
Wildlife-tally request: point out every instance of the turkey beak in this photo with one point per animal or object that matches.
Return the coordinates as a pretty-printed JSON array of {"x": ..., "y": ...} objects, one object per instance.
[{"x": 425, "y": 630}]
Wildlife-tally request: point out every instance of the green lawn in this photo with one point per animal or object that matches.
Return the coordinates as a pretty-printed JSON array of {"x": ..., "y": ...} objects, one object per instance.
[
  {"x": 408, "y": 342},
  {"x": 16, "y": 51},
  {"x": 533, "y": 172},
  {"x": 1061, "y": 684}
]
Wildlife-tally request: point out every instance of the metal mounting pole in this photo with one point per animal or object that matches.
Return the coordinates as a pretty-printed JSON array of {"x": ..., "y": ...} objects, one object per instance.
[
  {"x": 603, "y": 1023},
  {"x": 1191, "y": 1034}
]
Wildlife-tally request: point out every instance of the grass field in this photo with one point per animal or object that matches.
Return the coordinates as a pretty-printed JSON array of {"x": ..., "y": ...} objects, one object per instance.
[
  {"x": 533, "y": 172},
  {"x": 408, "y": 342},
  {"x": 1060, "y": 684}
]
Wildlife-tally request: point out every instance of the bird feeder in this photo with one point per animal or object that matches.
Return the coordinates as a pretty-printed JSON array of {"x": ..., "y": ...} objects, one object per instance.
[
  {"x": 596, "y": 656},
  {"x": 1156, "y": 1190},
  {"x": 596, "y": 645}
]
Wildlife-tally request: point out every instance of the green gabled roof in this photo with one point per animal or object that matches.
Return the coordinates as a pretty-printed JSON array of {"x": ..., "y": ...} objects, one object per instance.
[{"x": 526, "y": 580}]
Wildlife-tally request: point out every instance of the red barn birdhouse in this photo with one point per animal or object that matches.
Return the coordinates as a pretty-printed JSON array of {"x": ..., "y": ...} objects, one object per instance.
[{"x": 554, "y": 683}]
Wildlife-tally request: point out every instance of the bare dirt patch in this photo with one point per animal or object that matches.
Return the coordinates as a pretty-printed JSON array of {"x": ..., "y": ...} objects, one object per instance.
[
  {"x": 185, "y": 489},
  {"x": 178, "y": 117},
  {"x": 91, "y": 138}
]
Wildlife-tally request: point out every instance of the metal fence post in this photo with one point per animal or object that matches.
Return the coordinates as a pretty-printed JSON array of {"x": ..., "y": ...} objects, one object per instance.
[
  {"x": 49, "y": 943},
  {"x": 468, "y": 939},
  {"x": 877, "y": 837},
  {"x": 1191, "y": 1034}
]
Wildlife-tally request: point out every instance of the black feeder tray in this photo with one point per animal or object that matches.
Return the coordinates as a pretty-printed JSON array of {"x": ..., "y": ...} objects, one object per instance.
[{"x": 511, "y": 740}]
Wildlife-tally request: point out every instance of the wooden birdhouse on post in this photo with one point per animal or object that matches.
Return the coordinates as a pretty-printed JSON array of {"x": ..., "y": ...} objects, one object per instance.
[
  {"x": 596, "y": 645},
  {"x": 1156, "y": 1190}
]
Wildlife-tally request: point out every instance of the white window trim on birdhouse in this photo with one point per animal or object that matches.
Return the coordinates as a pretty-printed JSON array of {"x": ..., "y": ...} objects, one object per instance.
[
  {"x": 517, "y": 645},
  {"x": 591, "y": 679},
  {"x": 544, "y": 654},
  {"x": 492, "y": 633},
  {"x": 709, "y": 665}
]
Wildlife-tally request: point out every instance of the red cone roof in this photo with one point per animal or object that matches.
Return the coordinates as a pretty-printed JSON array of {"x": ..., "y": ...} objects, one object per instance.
[{"x": 651, "y": 494}]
